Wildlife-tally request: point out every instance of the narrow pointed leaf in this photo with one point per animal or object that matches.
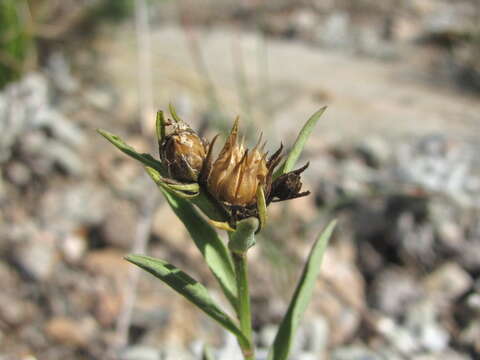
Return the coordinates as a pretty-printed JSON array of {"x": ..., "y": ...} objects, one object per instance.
[
  {"x": 146, "y": 159},
  {"x": 207, "y": 241},
  {"x": 262, "y": 207},
  {"x": 174, "y": 113},
  {"x": 185, "y": 285},
  {"x": 301, "y": 298},
  {"x": 299, "y": 144},
  {"x": 160, "y": 126}
]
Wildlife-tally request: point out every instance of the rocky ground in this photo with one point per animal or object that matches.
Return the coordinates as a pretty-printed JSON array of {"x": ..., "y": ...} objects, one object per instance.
[{"x": 394, "y": 158}]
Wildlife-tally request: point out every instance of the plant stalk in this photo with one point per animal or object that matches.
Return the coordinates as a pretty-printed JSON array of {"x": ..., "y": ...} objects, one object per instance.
[{"x": 243, "y": 309}]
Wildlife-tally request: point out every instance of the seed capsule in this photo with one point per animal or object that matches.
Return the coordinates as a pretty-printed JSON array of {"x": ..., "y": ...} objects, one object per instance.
[
  {"x": 183, "y": 153},
  {"x": 237, "y": 173}
]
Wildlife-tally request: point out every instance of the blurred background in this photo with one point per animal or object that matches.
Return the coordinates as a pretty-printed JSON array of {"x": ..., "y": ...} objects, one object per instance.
[{"x": 395, "y": 158}]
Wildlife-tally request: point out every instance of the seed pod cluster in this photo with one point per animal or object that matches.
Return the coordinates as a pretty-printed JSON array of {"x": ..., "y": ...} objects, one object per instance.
[{"x": 234, "y": 178}]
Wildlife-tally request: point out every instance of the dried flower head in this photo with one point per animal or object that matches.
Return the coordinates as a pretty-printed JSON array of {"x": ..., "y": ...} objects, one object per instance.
[
  {"x": 235, "y": 177},
  {"x": 237, "y": 172},
  {"x": 183, "y": 153}
]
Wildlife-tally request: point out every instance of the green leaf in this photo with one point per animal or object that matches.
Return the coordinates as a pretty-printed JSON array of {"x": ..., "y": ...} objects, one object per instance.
[
  {"x": 188, "y": 287},
  {"x": 261, "y": 207},
  {"x": 146, "y": 159},
  {"x": 185, "y": 191},
  {"x": 301, "y": 298},
  {"x": 207, "y": 241},
  {"x": 160, "y": 126},
  {"x": 176, "y": 118},
  {"x": 299, "y": 143}
]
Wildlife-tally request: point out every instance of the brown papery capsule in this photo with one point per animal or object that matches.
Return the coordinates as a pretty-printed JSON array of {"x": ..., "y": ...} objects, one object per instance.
[
  {"x": 183, "y": 153},
  {"x": 238, "y": 172}
]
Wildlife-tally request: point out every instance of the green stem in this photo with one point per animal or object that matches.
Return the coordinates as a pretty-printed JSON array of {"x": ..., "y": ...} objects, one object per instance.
[{"x": 243, "y": 309}]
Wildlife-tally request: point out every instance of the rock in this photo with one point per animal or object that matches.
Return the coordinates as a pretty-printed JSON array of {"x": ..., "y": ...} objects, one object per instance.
[
  {"x": 422, "y": 322},
  {"x": 107, "y": 263},
  {"x": 59, "y": 71},
  {"x": 73, "y": 246},
  {"x": 102, "y": 99},
  {"x": 447, "y": 282},
  {"x": 470, "y": 335},
  {"x": 339, "y": 269},
  {"x": 230, "y": 349},
  {"x": 394, "y": 290},
  {"x": 15, "y": 312},
  {"x": 36, "y": 256},
  {"x": 335, "y": 30},
  {"x": 354, "y": 352},
  {"x": 168, "y": 227},
  {"x": 139, "y": 352},
  {"x": 71, "y": 332},
  {"x": 119, "y": 226},
  {"x": 448, "y": 355},
  {"x": 401, "y": 338},
  {"x": 304, "y": 355},
  {"x": 18, "y": 174},
  {"x": 175, "y": 352},
  {"x": 473, "y": 302},
  {"x": 107, "y": 308},
  {"x": 267, "y": 335},
  {"x": 374, "y": 151},
  {"x": 317, "y": 331}
]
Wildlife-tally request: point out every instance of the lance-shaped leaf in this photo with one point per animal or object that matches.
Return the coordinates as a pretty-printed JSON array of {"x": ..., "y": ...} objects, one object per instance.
[
  {"x": 189, "y": 288},
  {"x": 146, "y": 159},
  {"x": 299, "y": 144},
  {"x": 160, "y": 126},
  {"x": 185, "y": 191},
  {"x": 205, "y": 238},
  {"x": 301, "y": 298}
]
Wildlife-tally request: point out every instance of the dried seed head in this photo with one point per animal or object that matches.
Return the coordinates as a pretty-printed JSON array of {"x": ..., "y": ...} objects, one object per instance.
[
  {"x": 237, "y": 172},
  {"x": 183, "y": 153}
]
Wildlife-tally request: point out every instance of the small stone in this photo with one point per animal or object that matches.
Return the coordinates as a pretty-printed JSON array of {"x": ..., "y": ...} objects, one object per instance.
[
  {"x": 394, "y": 290},
  {"x": 119, "y": 226},
  {"x": 473, "y": 302},
  {"x": 108, "y": 263},
  {"x": 448, "y": 282},
  {"x": 470, "y": 335},
  {"x": 317, "y": 332},
  {"x": 14, "y": 311},
  {"x": 400, "y": 337},
  {"x": 36, "y": 256},
  {"x": 73, "y": 247},
  {"x": 354, "y": 352},
  {"x": 304, "y": 355},
  {"x": 422, "y": 322},
  {"x": 267, "y": 335},
  {"x": 71, "y": 332},
  {"x": 140, "y": 353},
  {"x": 18, "y": 174},
  {"x": 102, "y": 99},
  {"x": 375, "y": 151},
  {"x": 108, "y": 308}
]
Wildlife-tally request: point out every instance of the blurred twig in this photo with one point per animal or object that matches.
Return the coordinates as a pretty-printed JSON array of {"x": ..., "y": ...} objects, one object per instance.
[
  {"x": 145, "y": 86},
  {"x": 242, "y": 82},
  {"x": 145, "y": 89},
  {"x": 142, "y": 234},
  {"x": 200, "y": 66}
]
